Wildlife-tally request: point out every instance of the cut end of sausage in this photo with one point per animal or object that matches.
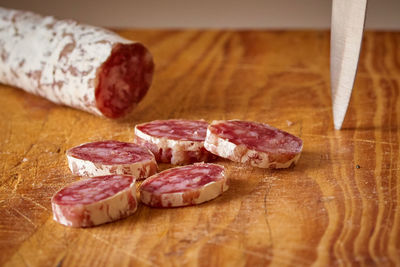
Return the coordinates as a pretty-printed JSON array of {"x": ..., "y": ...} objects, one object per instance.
[{"x": 123, "y": 79}]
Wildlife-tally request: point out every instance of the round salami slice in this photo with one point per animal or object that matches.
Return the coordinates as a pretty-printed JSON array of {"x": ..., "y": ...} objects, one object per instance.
[
  {"x": 183, "y": 186},
  {"x": 174, "y": 141},
  {"x": 95, "y": 201},
  {"x": 253, "y": 143},
  {"x": 111, "y": 157},
  {"x": 69, "y": 63}
]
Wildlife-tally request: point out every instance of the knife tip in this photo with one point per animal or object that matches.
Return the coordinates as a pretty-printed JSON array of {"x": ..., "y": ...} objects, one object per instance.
[
  {"x": 338, "y": 118},
  {"x": 337, "y": 126}
]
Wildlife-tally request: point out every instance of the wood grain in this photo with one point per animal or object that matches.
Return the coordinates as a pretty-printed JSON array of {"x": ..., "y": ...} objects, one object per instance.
[{"x": 338, "y": 206}]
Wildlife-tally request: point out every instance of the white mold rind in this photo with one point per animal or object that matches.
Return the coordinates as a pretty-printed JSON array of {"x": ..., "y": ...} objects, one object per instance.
[{"x": 86, "y": 168}]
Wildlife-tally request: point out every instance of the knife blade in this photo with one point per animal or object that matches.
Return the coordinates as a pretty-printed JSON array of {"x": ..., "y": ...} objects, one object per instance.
[{"x": 347, "y": 25}]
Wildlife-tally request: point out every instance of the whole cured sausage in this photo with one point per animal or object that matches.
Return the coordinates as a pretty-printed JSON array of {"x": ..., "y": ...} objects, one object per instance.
[
  {"x": 183, "y": 186},
  {"x": 254, "y": 143},
  {"x": 111, "y": 157},
  {"x": 95, "y": 201},
  {"x": 174, "y": 141},
  {"x": 77, "y": 65}
]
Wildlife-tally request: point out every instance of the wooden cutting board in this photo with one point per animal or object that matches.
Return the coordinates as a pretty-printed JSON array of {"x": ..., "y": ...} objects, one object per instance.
[{"x": 338, "y": 206}]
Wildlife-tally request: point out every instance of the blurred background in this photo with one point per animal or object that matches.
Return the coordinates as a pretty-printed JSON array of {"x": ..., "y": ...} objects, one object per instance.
[{"x": 275, "y": 14}]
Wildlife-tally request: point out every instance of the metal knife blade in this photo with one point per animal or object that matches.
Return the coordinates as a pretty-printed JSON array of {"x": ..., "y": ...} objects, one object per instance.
[{"x": 347, "y": 25}]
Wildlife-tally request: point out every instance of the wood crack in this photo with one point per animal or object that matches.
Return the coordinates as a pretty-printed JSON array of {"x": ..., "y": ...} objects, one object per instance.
[
  {"x": 351, "y": 139},
  {"x": 266, "y": 215}
]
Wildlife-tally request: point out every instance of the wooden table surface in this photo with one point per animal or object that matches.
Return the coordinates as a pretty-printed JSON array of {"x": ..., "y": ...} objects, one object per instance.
[{"x": 338, "y": 206}]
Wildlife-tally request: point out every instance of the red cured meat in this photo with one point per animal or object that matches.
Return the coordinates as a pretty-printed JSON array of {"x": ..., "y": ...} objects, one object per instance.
[
  {"x": 182, "y": 186},
  {"x": 174, "y": 141},
  {"x": 191, "y": 130},
  {"x": 95, "y": 201},
  {"x": 111, "y": 157},
  {"x": 258, "y": 144},
  {"x": 127, "y": 63},
  {"x": 74, "y": 64}
]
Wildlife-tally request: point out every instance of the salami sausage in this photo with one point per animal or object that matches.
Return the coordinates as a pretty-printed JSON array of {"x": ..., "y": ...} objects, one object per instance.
[
  {"x": 111, "y": 157},
  {"x": 183, "y": 186},
  {"x": 95, "y": 201},
  {"x": 174, "y": 141},
  {"x": 254, "y": 143},
  {"x": 77, "y": 65}
]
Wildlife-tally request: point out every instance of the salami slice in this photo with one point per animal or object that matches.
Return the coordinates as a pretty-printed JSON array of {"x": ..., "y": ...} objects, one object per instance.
[
  {"x": 183, "y": 186},
  {"x": 77, "y": 65},
  {"x": 95, "y": 201},
  {"x": 111, "y": 157},
  {"x": 254, "y": 143},
  {"x": 174, "y": 141}
]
